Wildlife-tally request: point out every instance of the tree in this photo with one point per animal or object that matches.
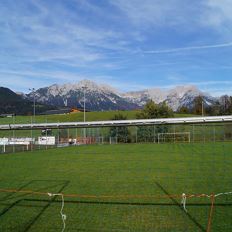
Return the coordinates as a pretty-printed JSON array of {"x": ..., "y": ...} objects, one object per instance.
[
  {"x": 46, "y": 132},
  {"x": 153, "y": 110},
  {"x": 183, "y": 110},
  {"x": 197, "y": 105},
  {"x": 214, "y": 109},
  {"x": 226, "y": 105},
  {"x": 121, "y": 132},
  {"x": 63, "y": 135}
]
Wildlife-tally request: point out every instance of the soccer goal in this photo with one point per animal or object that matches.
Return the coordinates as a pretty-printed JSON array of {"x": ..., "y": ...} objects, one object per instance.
[
  {"x": 177, "y": 137},
  {"x": 99, "y": 140},
  {"x": 113, "y": 140}
]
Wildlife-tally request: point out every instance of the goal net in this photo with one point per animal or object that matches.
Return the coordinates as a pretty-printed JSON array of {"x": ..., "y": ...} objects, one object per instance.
[
  {"x": 177, "y": 137},
  {"x": 113, "y": 140},
  {"x": 99, "y": 140}
]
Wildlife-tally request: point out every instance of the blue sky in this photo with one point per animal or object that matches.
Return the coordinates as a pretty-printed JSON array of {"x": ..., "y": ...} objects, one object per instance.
[{"x": 129, "y": 44}]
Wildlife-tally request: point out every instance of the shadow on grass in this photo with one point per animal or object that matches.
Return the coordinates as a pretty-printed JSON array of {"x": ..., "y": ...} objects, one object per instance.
[
  {"x": 15, "y": 195},
  {"x": 63, "y": 185},
  {"x": 176, "y": 203},
  {"x": 126, "y": 203},
  {"x": 18, "y": 189}
]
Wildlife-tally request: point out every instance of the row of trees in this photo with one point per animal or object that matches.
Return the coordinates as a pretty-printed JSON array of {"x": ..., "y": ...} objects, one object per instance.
[
  {"x": 221, "y": 107},
  {"x": 144, "y": 133},
  {"x": 152, "y": 110}
]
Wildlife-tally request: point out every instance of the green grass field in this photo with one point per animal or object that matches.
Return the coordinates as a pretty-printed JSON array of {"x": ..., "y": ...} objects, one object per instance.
[{"x": 121, "y": 172}]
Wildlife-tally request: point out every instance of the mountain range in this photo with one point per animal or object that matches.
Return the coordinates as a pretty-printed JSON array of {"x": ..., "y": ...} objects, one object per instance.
[
  {"x": 13, "y": 103},
  {"x": 103, "y": 97},
  {"x": 98, "y": 97}
]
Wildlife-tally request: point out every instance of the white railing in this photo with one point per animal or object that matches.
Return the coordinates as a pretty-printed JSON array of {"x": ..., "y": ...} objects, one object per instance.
[{"x": 138, "y": 122}]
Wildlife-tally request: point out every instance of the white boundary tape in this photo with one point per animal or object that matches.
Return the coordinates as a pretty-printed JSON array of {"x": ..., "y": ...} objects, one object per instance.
[
  {"x": 63, "y": 216},
  {"x": 184, "y": 197}
]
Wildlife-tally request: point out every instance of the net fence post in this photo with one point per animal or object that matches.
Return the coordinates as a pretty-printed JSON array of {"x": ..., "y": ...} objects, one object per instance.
[
  {"x": 174, "y": 128},
  {"x": 136, "y": 134},
  {"x": 193, "y": 133},
  {"x": 153, "y": 134},
  {"x": 13, "y": 135},
  {"x": 209, "y": 225},
  {"x": 214, "y": 133}
]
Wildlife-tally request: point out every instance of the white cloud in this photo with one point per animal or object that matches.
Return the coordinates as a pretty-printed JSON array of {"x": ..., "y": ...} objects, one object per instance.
[
  {"x": 55, "y": 35},
  {"x": 190, "y": 48},
  {"x": 209, "y": 83},
  {"x": 218, "y": 12},
  {"x": 217, "y": 16},
  {"x": 37, "y": 40},
  {"x": 158, "y": 12}
]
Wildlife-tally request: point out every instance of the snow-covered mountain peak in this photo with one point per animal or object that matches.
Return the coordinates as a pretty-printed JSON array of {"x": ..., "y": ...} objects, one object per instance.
[
  {"x": 180, "y": 91},
  {"x": 104, "y": 97},
  {"x": 91, "y": 85}
]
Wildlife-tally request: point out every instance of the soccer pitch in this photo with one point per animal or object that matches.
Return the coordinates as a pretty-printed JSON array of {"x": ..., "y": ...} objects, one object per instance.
[{"x": 118, "y": 188}]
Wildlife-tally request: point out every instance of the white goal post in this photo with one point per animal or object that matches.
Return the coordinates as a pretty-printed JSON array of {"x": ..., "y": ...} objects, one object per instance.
[
  {"x": 184, "y": 137},
  {"x": 113, "y": 140},
  {"x": 100, "y": 140}
]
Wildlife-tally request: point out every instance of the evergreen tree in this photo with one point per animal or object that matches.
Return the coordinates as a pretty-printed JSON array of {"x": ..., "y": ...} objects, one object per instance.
[
  {"x": 197, "y": 105},
  {"x": 226, "y": 105},
  {"x": 152, "y": 110},
  {"x": 183, "y": 110},
  {"x": 121, "y": 132}
]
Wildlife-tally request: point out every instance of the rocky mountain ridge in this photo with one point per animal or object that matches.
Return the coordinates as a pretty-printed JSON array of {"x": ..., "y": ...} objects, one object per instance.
[{"x": 103, "y": 97}]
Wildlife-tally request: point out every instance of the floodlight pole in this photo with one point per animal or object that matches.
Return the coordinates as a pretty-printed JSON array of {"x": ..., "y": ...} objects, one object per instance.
[
  {"x": 202, "y": 108},
  {"x": 84, "y": 103},
  {"x": 33, "y": 91},
  {"x": 84, "y": 89}
]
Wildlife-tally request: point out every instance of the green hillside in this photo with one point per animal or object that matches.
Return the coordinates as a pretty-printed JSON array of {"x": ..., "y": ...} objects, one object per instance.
[
  {"x": 75, "y": 117},
  {"x": 72, "y": 117}
]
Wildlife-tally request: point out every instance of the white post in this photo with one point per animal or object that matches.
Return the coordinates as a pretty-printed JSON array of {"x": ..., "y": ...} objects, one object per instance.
[
  {"x": 14, "y": 135},
  {"x": 58, "y": 136},
  {"x": 46, "y": 137},
  {"x": 31, "y": 134}
]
